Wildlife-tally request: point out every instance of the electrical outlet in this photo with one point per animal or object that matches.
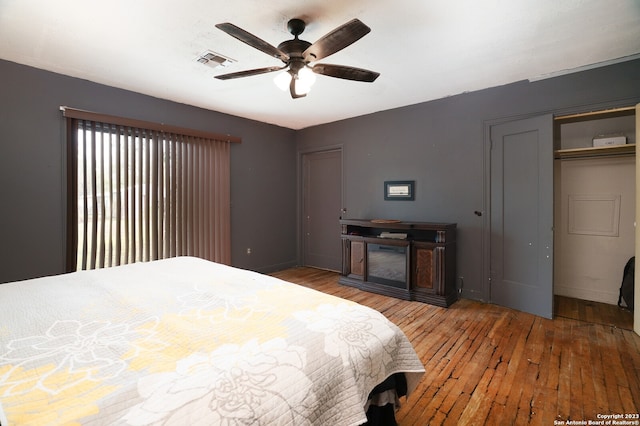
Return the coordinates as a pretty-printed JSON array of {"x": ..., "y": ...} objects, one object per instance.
[{"x": 249, "y": 250}]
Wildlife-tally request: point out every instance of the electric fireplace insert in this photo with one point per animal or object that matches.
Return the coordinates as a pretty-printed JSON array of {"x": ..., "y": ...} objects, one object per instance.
[{"x": 387, "y": 264}]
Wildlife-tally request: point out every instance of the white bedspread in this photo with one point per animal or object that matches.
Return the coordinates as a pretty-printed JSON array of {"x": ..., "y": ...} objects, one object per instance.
[{"x": 186, "y": 341}]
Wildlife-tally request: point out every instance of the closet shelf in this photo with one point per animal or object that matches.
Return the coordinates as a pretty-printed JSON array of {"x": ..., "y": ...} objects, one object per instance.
[{"x": 600, "y": 151}]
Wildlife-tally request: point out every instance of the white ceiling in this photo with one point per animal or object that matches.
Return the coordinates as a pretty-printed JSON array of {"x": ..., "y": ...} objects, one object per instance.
[{"x": 424, "y": 50}]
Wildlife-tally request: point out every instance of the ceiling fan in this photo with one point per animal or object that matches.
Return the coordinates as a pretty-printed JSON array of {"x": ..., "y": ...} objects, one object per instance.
[{"x": 298, "y": 55}]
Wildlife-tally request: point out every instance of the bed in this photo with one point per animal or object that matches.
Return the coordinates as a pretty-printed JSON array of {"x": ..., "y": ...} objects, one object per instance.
[{"x": 188, "y": 341}]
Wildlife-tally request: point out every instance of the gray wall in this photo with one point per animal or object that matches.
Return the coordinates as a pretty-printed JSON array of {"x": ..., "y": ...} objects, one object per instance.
[
  {"x": 441, "y": 145},
  {"x": 32, "y": 233}
]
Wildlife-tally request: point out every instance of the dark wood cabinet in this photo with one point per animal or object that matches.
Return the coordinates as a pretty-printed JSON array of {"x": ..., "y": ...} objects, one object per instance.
[
  {"x": 424, "y": 271},
  {"x": 357, "y": 259},
  {"x": 408, "y": 260}
]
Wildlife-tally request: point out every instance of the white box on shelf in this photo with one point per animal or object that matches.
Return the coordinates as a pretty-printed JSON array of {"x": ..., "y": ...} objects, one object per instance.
[{"x": 609, "y": 140}]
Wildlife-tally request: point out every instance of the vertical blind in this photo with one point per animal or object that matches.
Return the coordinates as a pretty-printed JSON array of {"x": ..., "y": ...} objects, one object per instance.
[{"x": 141, "y": 194}]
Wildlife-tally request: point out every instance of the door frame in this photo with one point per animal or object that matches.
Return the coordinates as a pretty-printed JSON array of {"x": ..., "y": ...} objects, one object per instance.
[
  {"x": 636, "y": 286},
  {"x": 486, "y": 170},
  {"x": 300, "y": 191}
]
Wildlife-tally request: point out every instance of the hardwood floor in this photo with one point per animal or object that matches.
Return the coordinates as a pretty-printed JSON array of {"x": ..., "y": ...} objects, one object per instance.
[
  {"x": 594, "y": 312},
  {"x": 486, "y": 364}
]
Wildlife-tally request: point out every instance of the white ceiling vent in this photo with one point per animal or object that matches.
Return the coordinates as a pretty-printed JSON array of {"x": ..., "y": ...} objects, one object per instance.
[{"x": 214, "y": 60}]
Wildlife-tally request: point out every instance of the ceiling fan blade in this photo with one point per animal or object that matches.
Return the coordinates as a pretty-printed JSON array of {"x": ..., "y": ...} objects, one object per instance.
[
  {"x": 253, "y": 41},
  {"x": 347, "y": 73},
  {"x": 336, "y": 40},
  {"x": 248, "y": 73}
]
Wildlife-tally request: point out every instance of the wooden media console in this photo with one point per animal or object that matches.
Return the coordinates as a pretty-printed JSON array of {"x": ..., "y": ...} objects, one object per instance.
[{"x": 407, "y": 260}]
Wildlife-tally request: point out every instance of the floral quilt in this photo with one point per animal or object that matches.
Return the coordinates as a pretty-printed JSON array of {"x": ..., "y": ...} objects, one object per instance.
[{"x": 187, "y": 341}]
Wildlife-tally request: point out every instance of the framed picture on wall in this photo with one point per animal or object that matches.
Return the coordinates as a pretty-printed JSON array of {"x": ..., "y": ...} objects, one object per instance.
[{"x": 399, "y": 190}]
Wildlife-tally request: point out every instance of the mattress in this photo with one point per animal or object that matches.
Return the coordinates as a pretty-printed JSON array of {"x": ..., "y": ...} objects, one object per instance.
[{"x": 188, "y": 341}]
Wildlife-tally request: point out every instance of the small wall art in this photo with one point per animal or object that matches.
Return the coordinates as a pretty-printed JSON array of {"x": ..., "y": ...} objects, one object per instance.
[{"x": 399, "y": 190}]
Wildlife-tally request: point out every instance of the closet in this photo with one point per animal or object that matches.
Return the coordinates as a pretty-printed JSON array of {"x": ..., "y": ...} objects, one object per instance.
[{"x": 594, "y": 203}]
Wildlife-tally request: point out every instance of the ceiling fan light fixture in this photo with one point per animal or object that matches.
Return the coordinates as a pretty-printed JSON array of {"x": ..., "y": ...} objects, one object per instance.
[
  {"x": 303, "y": 80},
  {"x": 306, "y": 78},
  {"x": 282, "y": 80}
]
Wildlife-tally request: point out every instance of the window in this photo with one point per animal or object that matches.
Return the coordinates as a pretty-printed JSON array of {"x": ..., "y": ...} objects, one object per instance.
[{"x": 139, "y": 191}]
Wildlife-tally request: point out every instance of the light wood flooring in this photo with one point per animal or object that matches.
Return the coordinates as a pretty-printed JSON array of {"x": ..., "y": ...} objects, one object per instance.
[{"x": 489, "y": 365}]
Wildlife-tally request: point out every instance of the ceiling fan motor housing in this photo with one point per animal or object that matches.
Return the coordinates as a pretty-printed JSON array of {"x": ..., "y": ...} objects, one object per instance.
[
  {"x": 294, "y": 48},
  {"x": 296, "y": 26}
]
